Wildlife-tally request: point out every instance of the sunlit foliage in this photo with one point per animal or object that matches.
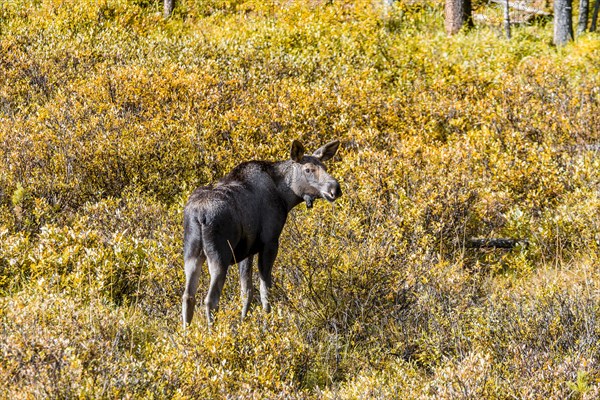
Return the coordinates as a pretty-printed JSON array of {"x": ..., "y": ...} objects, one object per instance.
[{"x": 110, "y": 116}]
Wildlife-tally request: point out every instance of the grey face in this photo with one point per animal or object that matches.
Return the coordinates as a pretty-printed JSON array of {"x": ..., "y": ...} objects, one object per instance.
[{"x": 310, "y": 178}]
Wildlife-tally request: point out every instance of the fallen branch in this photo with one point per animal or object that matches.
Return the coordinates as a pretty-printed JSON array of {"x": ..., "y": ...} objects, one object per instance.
[
  {"x": 522, "y": 6},
  {"x": 496, "y": 243}
]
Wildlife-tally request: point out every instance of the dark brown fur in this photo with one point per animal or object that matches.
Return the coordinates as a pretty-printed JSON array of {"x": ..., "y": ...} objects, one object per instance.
[{"x": 242, "y": 215}]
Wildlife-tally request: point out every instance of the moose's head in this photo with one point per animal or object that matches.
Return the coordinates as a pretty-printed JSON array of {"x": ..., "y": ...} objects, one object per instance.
[{"x": 310, "y": 178}]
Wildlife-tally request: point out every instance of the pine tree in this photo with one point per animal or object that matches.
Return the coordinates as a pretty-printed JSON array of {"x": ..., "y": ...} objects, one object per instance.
[
  {"x": 458, "y": 13},
  {"x": 563, "y": 22}
]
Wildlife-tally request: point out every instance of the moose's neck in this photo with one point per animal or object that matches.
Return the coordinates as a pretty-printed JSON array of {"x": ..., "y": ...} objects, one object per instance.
[{"x": 283, "y": 174}]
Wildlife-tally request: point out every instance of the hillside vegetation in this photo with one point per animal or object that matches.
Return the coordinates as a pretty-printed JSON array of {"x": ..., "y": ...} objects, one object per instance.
[{"x": 110, "y": 116}]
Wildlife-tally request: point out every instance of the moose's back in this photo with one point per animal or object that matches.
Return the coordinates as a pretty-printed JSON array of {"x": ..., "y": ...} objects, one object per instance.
[{"x": 242, "y": 211}]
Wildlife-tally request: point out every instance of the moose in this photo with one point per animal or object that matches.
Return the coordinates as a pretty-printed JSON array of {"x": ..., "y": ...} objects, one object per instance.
[{"x": 243, "y": 214}]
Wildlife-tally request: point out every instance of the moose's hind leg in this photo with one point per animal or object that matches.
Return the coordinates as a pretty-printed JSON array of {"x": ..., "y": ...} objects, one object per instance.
[
  {"x": 265, "y": 264},
  {"x": 218, "y": 273},
  {"x": 193, "y": 268}
]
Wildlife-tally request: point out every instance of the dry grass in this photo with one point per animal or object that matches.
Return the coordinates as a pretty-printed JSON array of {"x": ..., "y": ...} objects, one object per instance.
[{"x": 110, "y": 117}]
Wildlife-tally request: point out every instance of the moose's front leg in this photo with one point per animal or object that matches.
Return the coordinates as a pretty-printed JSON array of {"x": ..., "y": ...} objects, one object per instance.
[
  {"x": 266, "y": 258},
  {"x": 246, "y": 284}
]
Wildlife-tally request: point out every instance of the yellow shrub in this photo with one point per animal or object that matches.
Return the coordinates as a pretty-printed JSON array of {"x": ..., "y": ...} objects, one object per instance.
[{"x": 110, "y": 116}]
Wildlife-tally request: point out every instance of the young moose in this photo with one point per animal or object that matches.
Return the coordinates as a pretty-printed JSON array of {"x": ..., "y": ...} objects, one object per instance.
[{"x": 243, "y": 214}]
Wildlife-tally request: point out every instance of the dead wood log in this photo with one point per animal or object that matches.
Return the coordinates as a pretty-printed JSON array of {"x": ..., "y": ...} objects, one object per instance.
[
  {"x": 495, "y": 243},
  {"x": 522, "y": 6}
]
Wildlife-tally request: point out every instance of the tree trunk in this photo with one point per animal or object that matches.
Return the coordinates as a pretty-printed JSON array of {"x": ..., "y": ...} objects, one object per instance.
[
  {"x": 168, "y": 9},
  {"x": 507, "y": 19},
  {"x": 584, "y": 10},
  {"x": 563, "y": 22},
  {"x": 458, "y": 13},
  {"x": 595, "y": 16},
  {"x": 387, "y": 6}
]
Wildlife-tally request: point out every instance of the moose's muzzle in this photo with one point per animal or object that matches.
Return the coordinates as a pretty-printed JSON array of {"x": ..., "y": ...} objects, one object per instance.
[{"x": 332, "y": 192}]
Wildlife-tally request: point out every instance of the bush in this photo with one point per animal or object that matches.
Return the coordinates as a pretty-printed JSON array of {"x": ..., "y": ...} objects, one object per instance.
[{"x": 110, "y": 116}]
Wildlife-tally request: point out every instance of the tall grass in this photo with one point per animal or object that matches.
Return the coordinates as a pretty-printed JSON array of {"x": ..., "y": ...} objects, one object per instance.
[{"x": 110, "y": 116}]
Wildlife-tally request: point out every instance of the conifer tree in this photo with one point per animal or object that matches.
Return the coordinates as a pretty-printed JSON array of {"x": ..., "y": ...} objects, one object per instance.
[
  {"x": 458, "y": 14},
  {"x": 563, "y": 22}
]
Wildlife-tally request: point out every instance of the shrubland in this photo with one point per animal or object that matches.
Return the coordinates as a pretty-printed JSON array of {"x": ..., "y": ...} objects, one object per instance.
[{"x": 110, "y": 116}]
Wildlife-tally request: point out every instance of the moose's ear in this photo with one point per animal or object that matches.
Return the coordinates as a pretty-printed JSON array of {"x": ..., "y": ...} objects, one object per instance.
[
  {"x": 324, "y": 153},
  {"x": 297, "y": 151}
]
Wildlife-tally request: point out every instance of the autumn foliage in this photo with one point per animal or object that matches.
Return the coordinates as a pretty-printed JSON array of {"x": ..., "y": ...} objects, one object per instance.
[{"x": 110, "y": 116}]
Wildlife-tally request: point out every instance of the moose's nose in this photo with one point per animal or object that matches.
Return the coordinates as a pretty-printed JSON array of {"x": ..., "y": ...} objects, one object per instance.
[
  {"x": 337, "y": 190},
  {"x": 333, "y": 191}
]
